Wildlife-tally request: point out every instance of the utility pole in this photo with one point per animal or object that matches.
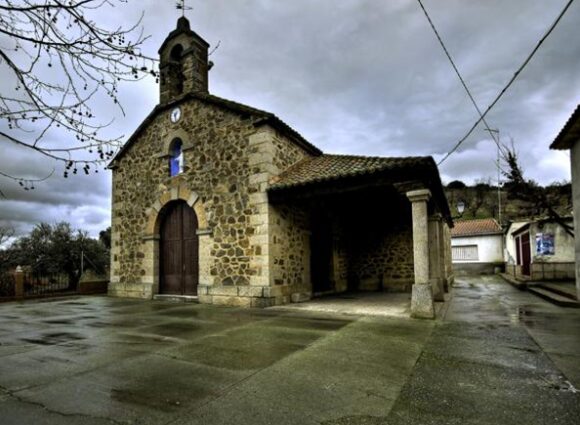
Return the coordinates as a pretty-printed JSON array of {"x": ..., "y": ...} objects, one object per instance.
[{"x": 493, "y": 133}]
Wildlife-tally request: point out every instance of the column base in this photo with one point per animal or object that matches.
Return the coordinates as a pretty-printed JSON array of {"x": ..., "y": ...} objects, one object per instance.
[
  {"x": 422, "y": 301},
  {"x": 446, "y": 285},
  {"x": 438, "y": 289}
]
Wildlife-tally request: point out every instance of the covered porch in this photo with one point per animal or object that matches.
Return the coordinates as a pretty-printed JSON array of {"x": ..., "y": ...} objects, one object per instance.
[{"x": 344, "y": 224}]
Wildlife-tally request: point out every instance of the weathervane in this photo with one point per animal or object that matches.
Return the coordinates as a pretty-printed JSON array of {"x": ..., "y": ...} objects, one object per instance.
[{"x": 181, "y": 6}]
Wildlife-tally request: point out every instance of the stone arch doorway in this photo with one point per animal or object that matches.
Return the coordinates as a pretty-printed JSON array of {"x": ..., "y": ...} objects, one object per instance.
[{"x": 178, "y": 250}]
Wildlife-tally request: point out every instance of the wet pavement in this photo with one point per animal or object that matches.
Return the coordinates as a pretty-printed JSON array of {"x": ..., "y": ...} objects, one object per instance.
[
  {"x": 499, "y": 356},
  {"x": 364, "y": 304}
]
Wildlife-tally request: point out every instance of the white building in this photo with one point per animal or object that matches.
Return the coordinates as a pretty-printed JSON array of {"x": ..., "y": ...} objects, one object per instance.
[
  {"x": 569, "y": 139},
  {"x": 540, "y": 250},
  {"x": 477, "y": 246}
]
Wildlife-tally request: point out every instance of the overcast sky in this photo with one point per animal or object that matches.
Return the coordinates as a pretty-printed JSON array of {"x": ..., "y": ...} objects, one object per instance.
[{"x": 364, "y": 77}]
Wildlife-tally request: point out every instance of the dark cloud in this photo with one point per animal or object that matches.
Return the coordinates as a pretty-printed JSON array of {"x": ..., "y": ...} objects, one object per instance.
[{"x": 355, "y": 76}]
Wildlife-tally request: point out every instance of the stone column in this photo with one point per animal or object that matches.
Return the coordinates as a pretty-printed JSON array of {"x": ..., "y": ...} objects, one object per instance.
[
  {"x": 448, "y": 265},
  {"x": 19, "y": 282},
  {"x": 436, "y": 257},
  {"x": 422, "y": 293}
]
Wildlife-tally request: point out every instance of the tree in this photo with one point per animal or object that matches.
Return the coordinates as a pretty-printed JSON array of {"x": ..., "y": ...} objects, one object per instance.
[
  {"x": 56, "y": 61},
  {"x": 5, "y": 234},
  {"x": 456, "y": 184},
  {"x": 6, "y": 284},
  {"x": 479, "y": 197},
  {"x": 58, "y": 249},
  {"x": 538, "y": 200},
  {"x": 105, "y": 237}
]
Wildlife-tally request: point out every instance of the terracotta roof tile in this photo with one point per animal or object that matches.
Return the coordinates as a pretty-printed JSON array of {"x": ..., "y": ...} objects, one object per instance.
[
  {"x": 485, "y": 226},
  {"x": 331, "y": 167}
]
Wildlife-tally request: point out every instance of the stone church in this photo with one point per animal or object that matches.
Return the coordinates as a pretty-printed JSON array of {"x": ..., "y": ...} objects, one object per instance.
[{"x": 226, "y": 202}]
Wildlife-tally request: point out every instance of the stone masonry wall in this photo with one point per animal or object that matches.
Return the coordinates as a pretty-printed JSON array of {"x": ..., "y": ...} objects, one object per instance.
[
  {"x": 270, "y": 154},
  {"x": 286, "y": 153},
  {"x": 340, "y": 255},
  {"x": 215, "y": 145},
  {"x": 290, "y": 251},
  {"x": 385, "y": 261}
]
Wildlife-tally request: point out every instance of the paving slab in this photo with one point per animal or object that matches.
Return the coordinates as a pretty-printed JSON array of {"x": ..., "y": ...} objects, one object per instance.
[
  {"x": 488, "y": 366},
  {"x": 498, "y": 356},
  {"x": 98, "y": 359}
]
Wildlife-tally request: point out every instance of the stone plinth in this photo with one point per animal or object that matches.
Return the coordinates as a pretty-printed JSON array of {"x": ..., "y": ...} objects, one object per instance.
[{"x": 422, "y": 301}]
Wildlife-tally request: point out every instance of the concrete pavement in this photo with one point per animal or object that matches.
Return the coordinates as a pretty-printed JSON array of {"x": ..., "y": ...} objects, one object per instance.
[{"x": 499, "y": 356}]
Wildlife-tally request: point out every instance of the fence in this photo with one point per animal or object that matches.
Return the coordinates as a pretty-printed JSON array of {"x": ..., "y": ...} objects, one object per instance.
[
  {"x": 7, "y": 285},
  {"x": 39, "y": 285},
  {"x": 21, "y": 284}
]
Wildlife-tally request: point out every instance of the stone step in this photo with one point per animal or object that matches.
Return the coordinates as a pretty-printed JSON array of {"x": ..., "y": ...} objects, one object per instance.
[
  {"x": 176, "y": 298},
  {"x": 568, "y": 291},
  {"x": 517, "y": 283},
  {"x": 553, "y": 297}
]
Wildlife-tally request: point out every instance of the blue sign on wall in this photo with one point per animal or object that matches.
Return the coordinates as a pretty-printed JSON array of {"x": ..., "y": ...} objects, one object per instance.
[{"x": 545, "y": 244}]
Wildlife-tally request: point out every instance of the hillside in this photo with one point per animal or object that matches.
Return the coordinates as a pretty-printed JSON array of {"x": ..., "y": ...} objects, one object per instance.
[{"x": 481, "y": 201}]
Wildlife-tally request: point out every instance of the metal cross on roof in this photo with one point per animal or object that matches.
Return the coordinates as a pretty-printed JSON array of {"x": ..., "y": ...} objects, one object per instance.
[{"x": 181, "y": 6}]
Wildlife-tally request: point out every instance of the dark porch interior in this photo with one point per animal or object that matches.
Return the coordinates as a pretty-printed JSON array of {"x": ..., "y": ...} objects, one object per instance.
[{"x": 358, "y": 240}]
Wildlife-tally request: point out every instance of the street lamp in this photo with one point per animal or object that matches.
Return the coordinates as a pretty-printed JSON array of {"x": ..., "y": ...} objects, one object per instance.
[{"x": 460, "y": 207}]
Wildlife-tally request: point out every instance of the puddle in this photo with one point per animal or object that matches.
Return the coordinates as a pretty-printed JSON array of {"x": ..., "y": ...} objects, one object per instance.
[
  {"x": 60, "y": 322},
  {"x": 520, "y": 315},
  {"x": 187, "y": 313},
  {"x": 53, "y": 338},
  {"x": 174, "y": 329},
  {"x": 140, "y": 398},
  {"x": 559, "y": 383}
]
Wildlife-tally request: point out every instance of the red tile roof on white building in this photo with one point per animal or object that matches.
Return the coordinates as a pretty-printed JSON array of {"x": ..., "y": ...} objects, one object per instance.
[{"x": 485, "y": 226}]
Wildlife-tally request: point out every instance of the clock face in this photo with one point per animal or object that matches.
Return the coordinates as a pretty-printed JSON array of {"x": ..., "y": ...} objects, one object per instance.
[{"x": 175, "y": 114}]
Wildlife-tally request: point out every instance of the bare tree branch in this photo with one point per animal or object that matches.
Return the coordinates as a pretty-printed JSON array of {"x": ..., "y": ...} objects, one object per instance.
[
  {"x": 59, "y": 60},
  {"x": 537, "y": 198},
  {"x": 5, "y": 234}
]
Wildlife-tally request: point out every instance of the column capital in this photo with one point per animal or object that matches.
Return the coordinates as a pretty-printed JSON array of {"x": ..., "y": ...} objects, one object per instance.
[
  {"x": 436, "y": 217},
  {"x": 421, "y": 195}
]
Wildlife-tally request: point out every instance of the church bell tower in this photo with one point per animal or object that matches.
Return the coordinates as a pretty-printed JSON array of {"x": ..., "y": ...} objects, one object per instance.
[{"x": 183, "y": 64}]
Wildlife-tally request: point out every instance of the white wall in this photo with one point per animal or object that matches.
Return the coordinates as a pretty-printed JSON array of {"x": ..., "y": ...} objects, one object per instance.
[
  {"x": 490, "y": 247},
  {"x": 510, "y": 243},
  {"x": 563, "y": 242},
  {"x": 575, "y": 163}
]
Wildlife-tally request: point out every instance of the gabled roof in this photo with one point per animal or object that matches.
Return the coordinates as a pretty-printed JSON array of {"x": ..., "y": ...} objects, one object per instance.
[
  {"x": 484, "y": 226},
  {"x": 341, "y": 169},
  {"x": 570, "y": 133},
  {"x": 335, "y": 167},
  {"x": 526, "y": 224},
  {"x": 259, "y": 116}
]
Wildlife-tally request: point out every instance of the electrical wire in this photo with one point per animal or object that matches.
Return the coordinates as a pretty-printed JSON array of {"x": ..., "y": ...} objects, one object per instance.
[
  {"x": 510, "y": 82},
  {"x": 463, "y": 83}
]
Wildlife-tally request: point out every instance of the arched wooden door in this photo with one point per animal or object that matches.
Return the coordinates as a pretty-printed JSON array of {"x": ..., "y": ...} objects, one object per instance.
[{"x": 179, "y": 250}]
